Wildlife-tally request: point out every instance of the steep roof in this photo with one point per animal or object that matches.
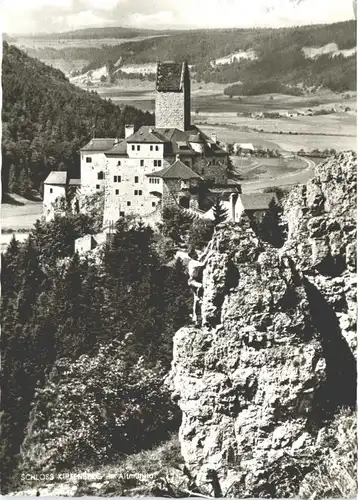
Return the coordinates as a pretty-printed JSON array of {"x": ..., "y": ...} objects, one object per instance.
[
  {"x": 169, "y": 76},
  {"x": 59, "y": 178},
  {"x": 178, "y": 170},
  {"x": 179, "y": 140},
  {"x": 257, "y": 201},
  {"x": 146, "y": 134},
  {"x": 100, "y": 144},
  {"x": 118, "y": 149}
]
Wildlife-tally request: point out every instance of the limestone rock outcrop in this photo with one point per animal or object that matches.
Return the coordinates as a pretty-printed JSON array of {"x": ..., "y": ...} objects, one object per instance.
[{"x": 273, "y": 356}]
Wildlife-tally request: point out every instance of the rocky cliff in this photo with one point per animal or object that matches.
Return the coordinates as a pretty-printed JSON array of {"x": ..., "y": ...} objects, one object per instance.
[{"x": 273, "y": 359}]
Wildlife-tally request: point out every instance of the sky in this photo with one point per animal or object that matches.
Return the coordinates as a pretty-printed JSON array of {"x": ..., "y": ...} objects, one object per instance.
[{"x": 47, "y": 16}]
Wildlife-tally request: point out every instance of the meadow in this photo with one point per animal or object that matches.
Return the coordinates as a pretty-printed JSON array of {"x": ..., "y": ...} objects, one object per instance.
[{"x": 214, "y": 112}]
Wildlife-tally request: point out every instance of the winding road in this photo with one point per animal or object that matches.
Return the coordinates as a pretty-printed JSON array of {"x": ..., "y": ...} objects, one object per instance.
[{"x": 300, "y": 177}]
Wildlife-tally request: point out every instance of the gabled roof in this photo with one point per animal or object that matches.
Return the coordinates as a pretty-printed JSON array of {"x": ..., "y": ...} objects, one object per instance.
[
  {"x": 146, "y": 134},
  {"x": 257, "y": 201},
  {"x": 118, "y": 149},
  {"x": 178, "y": 170},
  {"x": 169, "y": 76},
  {"x": 58, "y": 178},
  {"x": 100, "y": 144}
]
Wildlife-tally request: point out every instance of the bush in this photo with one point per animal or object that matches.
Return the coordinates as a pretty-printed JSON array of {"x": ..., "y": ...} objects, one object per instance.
[
  {"x": 200, "y": 233},
  {"x": 165, "y": 248},
  {"x": 95, "y": 407}
]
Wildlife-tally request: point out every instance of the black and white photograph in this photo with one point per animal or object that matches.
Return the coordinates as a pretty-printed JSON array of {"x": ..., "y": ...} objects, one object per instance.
[{"x": 178, "y": 249}]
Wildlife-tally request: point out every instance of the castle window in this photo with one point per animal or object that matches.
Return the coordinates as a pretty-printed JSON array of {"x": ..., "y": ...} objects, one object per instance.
[
  {"x": 51, "y": 190},
  {"x": 136, "y": 179},
  {"x": 121, "y": 214},
  {"x": 98, "y": 186},
  {"x": 88, "y": 159},
  {"x": 117, "y": 178},
  {"x": 138, "y": 148},
  {"x": 151, "y": 148},
  {"x": 133, "y": 147},
  {"x": 136, "y": 192},
  {"x": 140, "y": 192},
  {"x": 157, "y": 148},
  {"x": 100, "y": 176},
  {"x": 119, "y": 163},
  {"x": 117, "y": 191},
  {"x": 128, "y": 203},
  {"x": 156, "y": 163},
  {"x": 159, "y": 163},
  {"x": 153, "y": 203},
  {"x": 142, "y": 163}
]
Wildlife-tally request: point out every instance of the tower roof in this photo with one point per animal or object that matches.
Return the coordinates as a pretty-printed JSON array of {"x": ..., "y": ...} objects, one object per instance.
[
  {"x": 57, "y": 177},
  {"x": 170, "y": 76}
]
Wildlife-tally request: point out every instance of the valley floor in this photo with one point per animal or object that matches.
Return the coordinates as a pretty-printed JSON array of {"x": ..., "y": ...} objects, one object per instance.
[{"x": 18, "y": 216}]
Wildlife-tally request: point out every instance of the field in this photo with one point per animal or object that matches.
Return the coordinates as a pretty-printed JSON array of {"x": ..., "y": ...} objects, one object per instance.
[
  {"x": 214, "y": 112},
  {"x": 17, "y": 218}
]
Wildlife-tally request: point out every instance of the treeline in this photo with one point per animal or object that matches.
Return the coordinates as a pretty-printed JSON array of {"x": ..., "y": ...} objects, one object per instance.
[
  {"x": 261, "y": 87},
  {"x": 55, "y": 305},
  {"x": 46, "y": 120},
  {"x": 279, "y": 53},
  {"x": 290, "y": 68}
]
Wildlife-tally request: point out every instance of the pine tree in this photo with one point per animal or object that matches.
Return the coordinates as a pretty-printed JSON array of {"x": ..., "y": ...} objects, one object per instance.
[
  {"x": 220, "y": 213},
  {"x": 12, "y": 179},
  {"x": 23, "y": 182}
]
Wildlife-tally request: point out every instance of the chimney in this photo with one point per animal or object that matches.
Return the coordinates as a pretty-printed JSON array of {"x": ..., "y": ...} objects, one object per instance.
[
  {"x": 129, "y": 130},
  {"x": 177, "y": 157},
  {"x": 116, "y": 141},
  {"x": 214, "y": 137}
]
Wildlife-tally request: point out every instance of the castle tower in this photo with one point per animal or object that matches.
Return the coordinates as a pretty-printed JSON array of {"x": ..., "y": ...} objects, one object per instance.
[{"x": 172, "y": 97}]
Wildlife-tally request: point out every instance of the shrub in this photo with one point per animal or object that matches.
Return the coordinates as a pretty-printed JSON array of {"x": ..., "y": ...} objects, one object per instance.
[
  {"x": 200, "y": 233},
  {"x": 95, "y": 407}
]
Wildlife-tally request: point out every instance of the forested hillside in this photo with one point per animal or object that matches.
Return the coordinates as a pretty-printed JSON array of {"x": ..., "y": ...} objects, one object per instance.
[
  {"x": 56, "y": 308},
  {"x": 46, "y": 120},
  {"x": 279, "y": 54}
]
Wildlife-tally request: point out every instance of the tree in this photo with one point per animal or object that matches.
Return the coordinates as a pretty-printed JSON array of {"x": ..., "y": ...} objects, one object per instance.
[
  {"x": 12, "y": 183},
  {"x": 220, "y": 213},
  {"x": 200, "y": 233}
]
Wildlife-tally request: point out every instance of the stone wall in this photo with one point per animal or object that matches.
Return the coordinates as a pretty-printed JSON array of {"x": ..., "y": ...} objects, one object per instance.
[
  {"x": 211, "y": 168},
  {"x": 170, "y": 110}
]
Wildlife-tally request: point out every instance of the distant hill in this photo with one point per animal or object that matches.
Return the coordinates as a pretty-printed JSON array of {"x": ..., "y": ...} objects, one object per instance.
[
  {"x": 94, "y": 33},
  {"x": 279, "y": 53},
  {"x": 46, "y": 120}
]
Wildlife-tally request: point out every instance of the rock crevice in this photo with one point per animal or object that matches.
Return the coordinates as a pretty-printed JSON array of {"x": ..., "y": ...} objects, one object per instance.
[{"x": 256, "y": 381}]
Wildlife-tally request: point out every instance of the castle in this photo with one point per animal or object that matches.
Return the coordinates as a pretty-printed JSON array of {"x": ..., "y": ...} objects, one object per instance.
[{"x": 171, "y": 163}]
